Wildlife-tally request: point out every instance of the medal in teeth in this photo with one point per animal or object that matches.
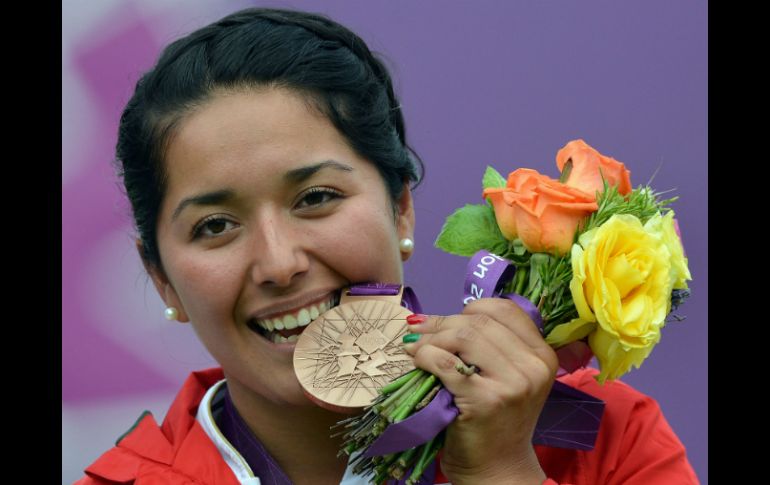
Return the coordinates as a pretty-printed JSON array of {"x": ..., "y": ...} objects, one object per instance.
[{"x": 346, "y": 355}]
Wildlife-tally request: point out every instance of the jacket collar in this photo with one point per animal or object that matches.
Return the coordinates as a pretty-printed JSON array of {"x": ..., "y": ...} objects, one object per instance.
[{"x": 179, "y": 446}]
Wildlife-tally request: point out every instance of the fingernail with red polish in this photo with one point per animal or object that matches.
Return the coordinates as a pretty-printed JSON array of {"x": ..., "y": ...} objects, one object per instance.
[{"x": 416, "y": 318}]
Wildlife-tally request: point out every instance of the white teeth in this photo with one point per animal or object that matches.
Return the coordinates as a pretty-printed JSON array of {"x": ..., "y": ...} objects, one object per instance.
[
  {"x": 279, "y": 339},
  {"x": 289, "y": 322},
  {"x": 303, "y": 318},
  {"x": 300, "y": 319}
]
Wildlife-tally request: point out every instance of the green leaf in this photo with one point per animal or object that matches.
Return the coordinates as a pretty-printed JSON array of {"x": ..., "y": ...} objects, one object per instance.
[
  {"x": 470, "y": 229},
  {"x": 516, "y": 253},
  {"x": 517, "y": 247},
  {"x": 492, "y": 179},
  {"x": 538, "y": 265}
]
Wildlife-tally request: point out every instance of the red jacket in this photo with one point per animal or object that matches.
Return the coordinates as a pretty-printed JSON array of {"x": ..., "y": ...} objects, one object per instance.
[{"x": 635, "y": 444}]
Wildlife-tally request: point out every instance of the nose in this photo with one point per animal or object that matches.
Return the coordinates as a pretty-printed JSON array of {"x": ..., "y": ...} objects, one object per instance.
[{"x": 279, "y": 258}]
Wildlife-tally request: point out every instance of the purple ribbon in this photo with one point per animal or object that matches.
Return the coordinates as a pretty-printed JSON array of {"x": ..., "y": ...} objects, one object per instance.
[
  {"x": 410, "y": 301},
  {"x": 570, "y": 418},
  {"x": 366, "y": 289},
  {"x": 418, "y": 428},
  {"x": 408, "y": 297},
  {"x": 487, "y": 273}
]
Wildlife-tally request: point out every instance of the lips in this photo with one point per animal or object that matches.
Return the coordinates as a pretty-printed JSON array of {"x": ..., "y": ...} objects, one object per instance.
[{"x": 287, "y": 326}]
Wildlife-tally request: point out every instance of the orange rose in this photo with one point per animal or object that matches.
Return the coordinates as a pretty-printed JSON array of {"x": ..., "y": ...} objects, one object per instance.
[
  {"x": 506, "y": 220},
  {"x": 588, "y": 166},
  {"x": 539, "y": 210}
]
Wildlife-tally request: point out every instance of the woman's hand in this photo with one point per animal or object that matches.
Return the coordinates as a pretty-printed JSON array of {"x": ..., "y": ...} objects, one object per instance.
[{"x": 491, "y": 439}]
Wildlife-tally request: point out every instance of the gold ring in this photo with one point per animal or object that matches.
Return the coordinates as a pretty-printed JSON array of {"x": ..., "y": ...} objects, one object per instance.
[{"x": 466, "y": 370}]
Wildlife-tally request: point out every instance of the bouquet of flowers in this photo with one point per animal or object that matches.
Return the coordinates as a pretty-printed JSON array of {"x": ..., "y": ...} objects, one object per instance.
[{"x": 602, "y": 265}]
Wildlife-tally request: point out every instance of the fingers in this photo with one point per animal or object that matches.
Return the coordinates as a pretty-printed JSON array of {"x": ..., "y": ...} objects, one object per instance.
[
  {"x": 490, "y": 328},
  {"x": 514, "y": 318},
  {"x": 478, "y": 394},
  {"x": 494, "y": 350},
  {"x": 510, "y": 315},
  {"x": 443, "y": 364},
  {"x": 477, "y": 340},
  {"x": 501, "y": 310},
  {"x": 500, "y": 405}
]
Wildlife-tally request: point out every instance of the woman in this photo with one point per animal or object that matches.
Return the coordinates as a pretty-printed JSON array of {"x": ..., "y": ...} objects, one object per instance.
[{"x": 266, "y": 162}]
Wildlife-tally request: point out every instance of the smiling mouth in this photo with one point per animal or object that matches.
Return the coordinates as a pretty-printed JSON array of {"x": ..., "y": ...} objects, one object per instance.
[{"x": 289, "y": 326}]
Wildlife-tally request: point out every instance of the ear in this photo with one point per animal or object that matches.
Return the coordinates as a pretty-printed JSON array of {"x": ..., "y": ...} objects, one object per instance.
[
  {"x": 405, "y": 217},
  {"x": 162, "y": 284}
]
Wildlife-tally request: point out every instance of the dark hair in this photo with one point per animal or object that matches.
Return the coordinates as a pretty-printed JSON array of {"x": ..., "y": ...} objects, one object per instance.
[{"x": 308, "y": 53}]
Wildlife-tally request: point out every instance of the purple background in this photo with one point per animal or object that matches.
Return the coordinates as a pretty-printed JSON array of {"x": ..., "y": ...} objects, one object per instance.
[{"x": 481, "y": 83}]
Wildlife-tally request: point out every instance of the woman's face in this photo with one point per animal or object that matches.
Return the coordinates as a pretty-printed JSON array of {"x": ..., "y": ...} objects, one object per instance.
[{"x": 268, "y": 213}]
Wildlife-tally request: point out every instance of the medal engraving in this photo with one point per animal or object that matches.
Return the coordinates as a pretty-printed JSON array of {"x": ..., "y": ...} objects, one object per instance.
[{"x": 350, "y": 352}]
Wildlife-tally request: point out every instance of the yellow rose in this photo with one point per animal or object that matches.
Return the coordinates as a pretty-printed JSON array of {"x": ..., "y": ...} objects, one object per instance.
[
  {"x": 663, "y": 227},
  {"x": 621, "y": 280},
  {"x": 615, "y": 359}
]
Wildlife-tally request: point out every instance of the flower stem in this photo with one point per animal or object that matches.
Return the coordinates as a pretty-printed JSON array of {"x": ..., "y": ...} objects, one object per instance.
[
  {"x": 401, "y": 391},
  {"x": 428, "y": 398},
  {"x": 383, "y": 468},
  {"x": 404, "y": 409},
  {"x": 392, "y": 411},
  {"x": 396, "y": 385},
  {"x": 404, "y": 460},
  {"x": 429, "y": 452},
  {"x": 534, "y": 297},
  {"x": 520, "y": 279}
]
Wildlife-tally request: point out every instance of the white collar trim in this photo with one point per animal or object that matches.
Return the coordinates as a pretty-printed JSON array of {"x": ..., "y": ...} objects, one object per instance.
[{"x": 234, "y": 460}]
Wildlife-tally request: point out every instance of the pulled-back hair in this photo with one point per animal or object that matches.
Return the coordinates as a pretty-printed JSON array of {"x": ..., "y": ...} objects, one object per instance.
[{"x": 304, "y": 52}]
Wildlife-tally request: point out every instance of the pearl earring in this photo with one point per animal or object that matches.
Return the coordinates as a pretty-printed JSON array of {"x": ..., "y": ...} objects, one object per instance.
[
  {"x": 406, "y": 245},
  {"x": 171, "y": 313}
]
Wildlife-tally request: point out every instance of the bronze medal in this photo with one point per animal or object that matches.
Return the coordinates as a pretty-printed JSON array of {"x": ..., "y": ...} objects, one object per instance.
[{"x": 347, "y": 354}]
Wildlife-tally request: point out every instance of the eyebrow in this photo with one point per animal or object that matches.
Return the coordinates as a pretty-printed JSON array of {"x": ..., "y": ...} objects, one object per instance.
[
  {"x": 299, "y": 175},
  {"x": 209, "y": 198},
  {"x": 296, "y": 176}
]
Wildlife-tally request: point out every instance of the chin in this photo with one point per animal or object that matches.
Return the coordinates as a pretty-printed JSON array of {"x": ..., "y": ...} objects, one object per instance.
[{"x": 292, "y": 394}]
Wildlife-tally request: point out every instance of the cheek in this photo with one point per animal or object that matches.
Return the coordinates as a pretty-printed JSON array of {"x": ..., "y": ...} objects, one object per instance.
[
  {"x": 206, "y": 285},
  {"x": 361, "y": 243}
]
